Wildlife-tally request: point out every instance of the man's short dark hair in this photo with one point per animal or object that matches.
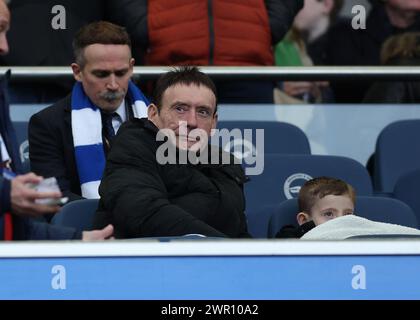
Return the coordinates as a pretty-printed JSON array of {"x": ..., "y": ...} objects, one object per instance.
[
  {"x": 318, "y": 188},
  {"x": 100, "y": 32},
  {"x": 186, "y": 75}
]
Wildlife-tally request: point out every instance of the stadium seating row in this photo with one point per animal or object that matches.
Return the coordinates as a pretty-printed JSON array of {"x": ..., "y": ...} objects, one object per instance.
[
  {"x": 379, "y": 209},
  {"x": 79, "y": 214},
  {"x": 288, "y": 163}
]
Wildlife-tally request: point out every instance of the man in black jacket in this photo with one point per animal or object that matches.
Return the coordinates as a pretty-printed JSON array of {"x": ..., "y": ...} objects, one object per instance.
[
  {"x": 143, "y": 196},
  {"x": 64, "y": 138},
  {"x": 17, "y": 200}
]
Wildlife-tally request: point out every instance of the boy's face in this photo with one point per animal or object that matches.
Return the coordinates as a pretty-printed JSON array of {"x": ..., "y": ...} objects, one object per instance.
[{"x": 327, "y": 208}]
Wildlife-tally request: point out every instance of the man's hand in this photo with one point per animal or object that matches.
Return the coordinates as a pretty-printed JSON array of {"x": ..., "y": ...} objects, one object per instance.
[
  {"x": 299, "y": 88},
  {"x": 103, "y": 234},
  {"x": 22, "y": 197}
]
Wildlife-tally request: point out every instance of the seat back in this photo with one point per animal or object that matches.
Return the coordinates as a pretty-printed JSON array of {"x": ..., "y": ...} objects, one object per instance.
[
  {"x": 77, "y": 214},
  {"x": 407, "y": 189},
  {"x": 397, "y": 152},
  {"x": 284, "y": 175},
  {"x": 380, "y": 209},
  {"x": 279, "y": 137},
  {"x": 21, "y": 128}
]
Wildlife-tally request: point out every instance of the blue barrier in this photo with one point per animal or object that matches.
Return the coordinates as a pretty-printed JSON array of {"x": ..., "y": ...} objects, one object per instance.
[{"x": 196, "y": 270}]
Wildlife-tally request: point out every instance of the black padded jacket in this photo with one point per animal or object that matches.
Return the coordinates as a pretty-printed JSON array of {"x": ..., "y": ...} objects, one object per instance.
[{"x": 143, "y": 198}]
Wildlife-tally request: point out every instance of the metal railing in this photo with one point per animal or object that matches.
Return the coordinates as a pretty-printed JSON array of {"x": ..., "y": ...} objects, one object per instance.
[{"x": 242, "y": 73}]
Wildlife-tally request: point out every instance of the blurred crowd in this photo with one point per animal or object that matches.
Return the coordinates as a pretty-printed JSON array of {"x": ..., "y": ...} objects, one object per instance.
[{"x": 230, "y": 33}]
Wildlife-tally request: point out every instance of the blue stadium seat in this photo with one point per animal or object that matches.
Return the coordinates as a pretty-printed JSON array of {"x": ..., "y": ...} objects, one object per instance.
[
  {"x": 279, "y": 137},
  {"x": 21, "y": 128},
  {"x": 77, "y": 214},
  {"x": 407, "y": 189},
  {"x": 283, "y": 176},
  {"x": 281, "y": 215},
  {"x": 397, "y": 152},
  {"x": 381, "y": 209}
]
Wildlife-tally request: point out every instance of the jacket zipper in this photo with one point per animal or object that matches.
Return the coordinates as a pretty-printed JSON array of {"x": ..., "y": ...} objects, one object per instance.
[{"x": 211, "y": 31}]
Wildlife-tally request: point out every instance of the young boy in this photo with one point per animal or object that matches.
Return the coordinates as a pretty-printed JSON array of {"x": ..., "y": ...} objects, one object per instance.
[{"x": 320, "y": 199}]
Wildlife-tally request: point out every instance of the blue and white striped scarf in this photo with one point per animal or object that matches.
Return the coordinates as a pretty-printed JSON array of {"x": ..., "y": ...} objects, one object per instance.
[{"x": 86, "y": 127}]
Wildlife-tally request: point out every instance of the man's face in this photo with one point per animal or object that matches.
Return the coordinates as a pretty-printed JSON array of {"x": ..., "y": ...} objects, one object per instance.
[
  {"x": 405, "y": 5},
  {"x": 4, "y": 27},
  {"x": 105, "y": 74},
  {"x": 191, "y": 105}
]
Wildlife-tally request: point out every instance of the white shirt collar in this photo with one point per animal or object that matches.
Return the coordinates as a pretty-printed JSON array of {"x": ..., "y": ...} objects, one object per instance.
[
  {"x": 121, "y": 111},
  {"x": 4, "y": 154},
  {"x": 118, "y": 121}
]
